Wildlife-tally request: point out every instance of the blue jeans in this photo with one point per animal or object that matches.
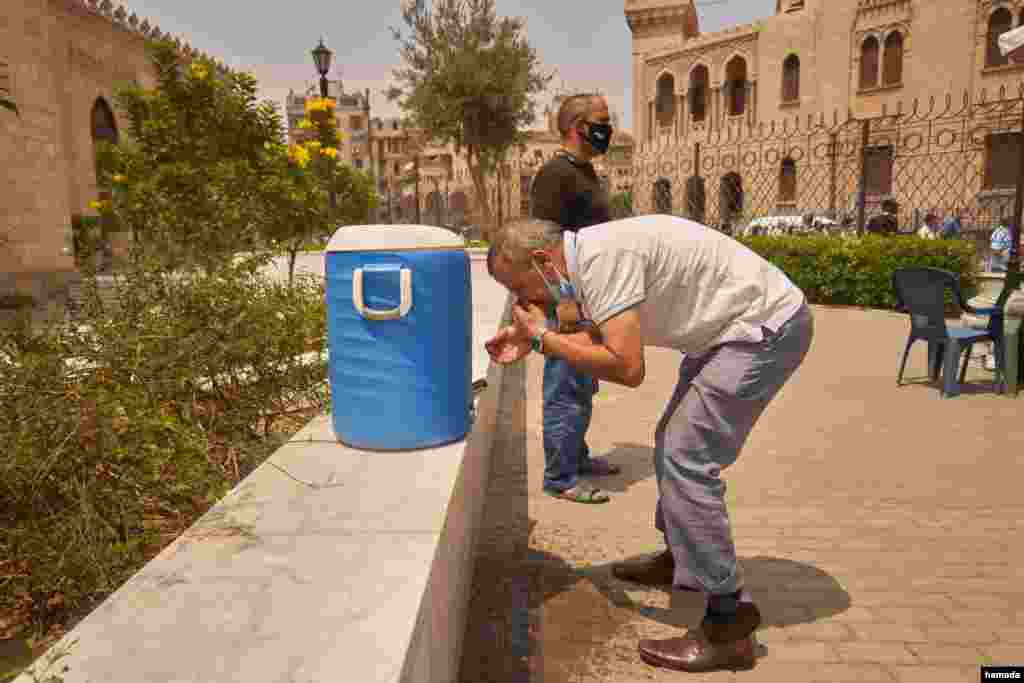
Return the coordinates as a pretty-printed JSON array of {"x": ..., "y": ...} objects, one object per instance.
[{"x": 568, "y": 404}]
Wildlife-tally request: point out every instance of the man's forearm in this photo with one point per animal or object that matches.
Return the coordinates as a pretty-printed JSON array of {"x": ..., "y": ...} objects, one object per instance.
[{"x": 585, "y": 352}]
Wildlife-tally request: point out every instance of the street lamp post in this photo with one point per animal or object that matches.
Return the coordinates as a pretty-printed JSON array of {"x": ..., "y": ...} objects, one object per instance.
[{"x": 322, "y": 60}]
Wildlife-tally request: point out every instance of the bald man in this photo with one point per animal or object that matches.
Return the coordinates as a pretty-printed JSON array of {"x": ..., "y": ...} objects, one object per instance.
[{"x": 568, "y": 191}]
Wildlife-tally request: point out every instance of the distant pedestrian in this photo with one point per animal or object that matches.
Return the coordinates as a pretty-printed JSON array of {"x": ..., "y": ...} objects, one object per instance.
[
  {"x": 951, "y": 229},
  {"x": 885, "y": 223},
  {"x": 929, "y": 230},
  {"x": 1000, "y": 246},
  {"x": 742, "y": 327}
]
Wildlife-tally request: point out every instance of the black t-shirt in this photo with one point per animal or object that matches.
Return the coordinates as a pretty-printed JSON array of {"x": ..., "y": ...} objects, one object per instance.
[{"x": 568, "y": 192}]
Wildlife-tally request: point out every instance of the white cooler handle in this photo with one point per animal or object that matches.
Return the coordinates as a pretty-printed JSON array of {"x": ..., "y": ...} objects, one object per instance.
[{"x": 405, "y": 301}]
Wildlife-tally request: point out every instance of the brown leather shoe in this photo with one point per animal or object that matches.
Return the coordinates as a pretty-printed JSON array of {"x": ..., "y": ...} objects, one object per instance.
[
  {"x": 694, "y": 653},
  {"x": 737, "y": 626},
  {"x": 652, "y": 571}
]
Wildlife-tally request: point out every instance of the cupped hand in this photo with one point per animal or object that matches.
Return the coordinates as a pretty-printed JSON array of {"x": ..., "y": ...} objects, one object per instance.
[
  {"x": 508, "y": 345},
  {"x": 530, "y": 319}
]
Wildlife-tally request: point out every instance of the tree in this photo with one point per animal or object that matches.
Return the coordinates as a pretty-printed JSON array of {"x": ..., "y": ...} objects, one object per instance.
[
  {"x": 622, "y": 205},
  {"x": 205, "y": 175},
  {"x": 314, "y": 190},
  {"x": 468, "y": 79}
]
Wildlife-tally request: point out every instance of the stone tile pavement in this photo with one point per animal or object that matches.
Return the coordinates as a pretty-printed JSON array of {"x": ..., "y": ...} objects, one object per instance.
[{"x": 879, "y": 527}]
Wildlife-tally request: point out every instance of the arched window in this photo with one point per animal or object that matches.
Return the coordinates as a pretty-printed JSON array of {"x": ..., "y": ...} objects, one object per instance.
[
  {"x": 869, "y": 50},
  {"x": 892, "y": 61},
  {"x": 791, "y": 79},
  {"x": 696, "y": 202},
  {"x": 999, "y": 23},
  {"x": 665, "y": 101},
  {"x": 104, "y": 127},
  {"x": 730, "y": 198},
  {"x": 787, "y": 182},
  {"x": 662, "y": 198},
  {"x": 699, "y": 93},
  {"x": 736, "y": 85}
]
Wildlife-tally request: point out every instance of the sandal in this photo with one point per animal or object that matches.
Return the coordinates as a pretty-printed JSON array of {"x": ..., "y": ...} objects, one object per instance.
[
  {"x": 581, "y": 493},
  {"x": 599, "y": 467}
]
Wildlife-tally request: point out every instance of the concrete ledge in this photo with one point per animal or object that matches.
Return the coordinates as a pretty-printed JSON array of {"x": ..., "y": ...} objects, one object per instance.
[{"x": 326, "y": 564}]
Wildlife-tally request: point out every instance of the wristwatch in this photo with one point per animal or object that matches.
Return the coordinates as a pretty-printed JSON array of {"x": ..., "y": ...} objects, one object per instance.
[{"x": 537, "y": 343}]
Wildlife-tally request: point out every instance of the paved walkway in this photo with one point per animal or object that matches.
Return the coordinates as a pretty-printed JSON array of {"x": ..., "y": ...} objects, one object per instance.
[{"x": 879, "y": 527}]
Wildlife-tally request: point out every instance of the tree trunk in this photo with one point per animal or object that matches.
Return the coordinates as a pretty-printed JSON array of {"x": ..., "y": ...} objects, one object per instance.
[
  {"x": 480, "y": 186},
  {"x": 292, "y": 255}
]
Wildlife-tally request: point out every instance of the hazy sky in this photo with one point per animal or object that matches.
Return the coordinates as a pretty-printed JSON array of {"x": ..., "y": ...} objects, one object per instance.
[{"x": 587, "y": 41}]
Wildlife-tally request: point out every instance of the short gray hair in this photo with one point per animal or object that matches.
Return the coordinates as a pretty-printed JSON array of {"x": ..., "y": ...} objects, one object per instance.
[{"x": 515, "y": 241}]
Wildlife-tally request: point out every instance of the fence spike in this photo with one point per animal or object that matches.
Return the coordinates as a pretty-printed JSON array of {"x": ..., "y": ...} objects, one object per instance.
[{"x": 133, "y": 20}]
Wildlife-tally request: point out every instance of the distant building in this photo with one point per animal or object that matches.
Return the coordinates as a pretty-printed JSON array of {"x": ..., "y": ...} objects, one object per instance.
[
  {"x": 353, "y": 116},
  {"x": 750, "y": 112},
  {"x": 61, "y": 62}
]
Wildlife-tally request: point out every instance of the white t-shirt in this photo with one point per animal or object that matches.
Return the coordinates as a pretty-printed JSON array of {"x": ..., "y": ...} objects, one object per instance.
[{"x": 695, "y": 287}]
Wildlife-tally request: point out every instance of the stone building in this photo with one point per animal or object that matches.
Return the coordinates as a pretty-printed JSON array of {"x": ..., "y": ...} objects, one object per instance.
[
  {"x": 61, "y": 62},
  {"x": 804, "y": 109}
]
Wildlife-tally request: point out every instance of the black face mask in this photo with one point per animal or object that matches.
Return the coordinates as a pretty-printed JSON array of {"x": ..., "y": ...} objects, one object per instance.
[{"x": 598, "y": 136}]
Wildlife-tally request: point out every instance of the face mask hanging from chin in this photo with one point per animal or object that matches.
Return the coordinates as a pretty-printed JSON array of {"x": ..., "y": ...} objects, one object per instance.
[{"x": 567, "y": 310}]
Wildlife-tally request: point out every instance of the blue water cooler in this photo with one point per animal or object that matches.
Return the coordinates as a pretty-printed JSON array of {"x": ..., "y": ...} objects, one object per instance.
[{"x": 399, "y": 335}]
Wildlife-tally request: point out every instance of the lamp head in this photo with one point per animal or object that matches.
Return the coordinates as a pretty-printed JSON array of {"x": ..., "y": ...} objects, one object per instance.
[{"x": 322, "y": 58}]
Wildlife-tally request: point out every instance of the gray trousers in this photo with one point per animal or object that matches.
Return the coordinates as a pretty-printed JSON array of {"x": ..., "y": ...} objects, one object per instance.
[{"x": 719, "y": 397}]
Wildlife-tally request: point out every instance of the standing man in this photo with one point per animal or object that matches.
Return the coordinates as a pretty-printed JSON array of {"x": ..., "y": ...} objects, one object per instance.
[
  {"x": 885, "y": 223},
  {"x": 930, "y": 229},
  {"x": 743, "y": 327},
  {"x": 567, "y": 191}
]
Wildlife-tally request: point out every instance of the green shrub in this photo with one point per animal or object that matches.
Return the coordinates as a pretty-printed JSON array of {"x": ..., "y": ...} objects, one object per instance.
[
  {"x": 857, "y": 271},
  {"x": 107, "y": 461}
]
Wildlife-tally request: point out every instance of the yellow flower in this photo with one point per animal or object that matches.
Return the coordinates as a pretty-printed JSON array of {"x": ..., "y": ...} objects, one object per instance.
[
  {"x": 299, "y": 155},
  {"x": 305, "y": 124},
  {"x": 119, "y": 178},
  {"x": 313, "y": 144},
  {"x": 198, "y": 71},
  {"x": 96, "y": 205},
  {"x": 330, "y": 152}
]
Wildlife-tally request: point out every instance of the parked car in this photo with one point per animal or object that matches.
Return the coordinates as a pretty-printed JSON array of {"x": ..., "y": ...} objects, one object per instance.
[{"x": 788, "y": 225}]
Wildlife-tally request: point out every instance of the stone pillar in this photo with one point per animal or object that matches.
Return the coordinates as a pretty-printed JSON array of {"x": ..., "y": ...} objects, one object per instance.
[
  {"x": 650, "y": 122},
  {"x": 752, "y": 102},
  {"x": 680, "y": 115}
]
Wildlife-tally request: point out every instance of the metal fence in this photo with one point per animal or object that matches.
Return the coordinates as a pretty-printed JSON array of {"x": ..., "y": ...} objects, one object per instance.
[{"x": 956, "y": 157}]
